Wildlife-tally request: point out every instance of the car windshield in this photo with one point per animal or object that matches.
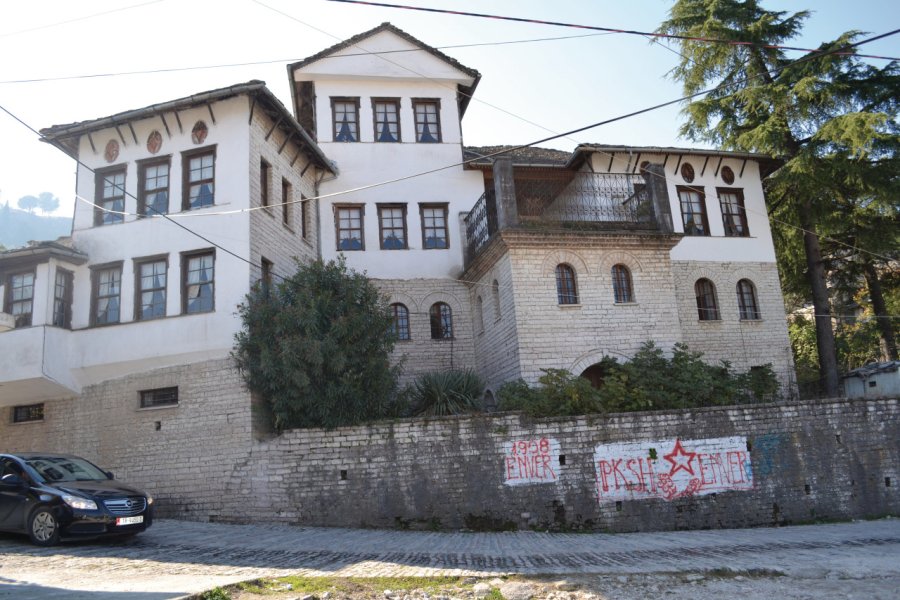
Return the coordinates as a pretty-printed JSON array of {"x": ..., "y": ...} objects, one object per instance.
[{"x": 65, "y": 468}]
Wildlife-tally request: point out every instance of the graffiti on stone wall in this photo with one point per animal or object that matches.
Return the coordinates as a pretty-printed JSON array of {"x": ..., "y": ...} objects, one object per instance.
[
  {"x": 671, "y": 469},
  {"x": 766, "y": 447},
  {"x": 531, "y": 461}
]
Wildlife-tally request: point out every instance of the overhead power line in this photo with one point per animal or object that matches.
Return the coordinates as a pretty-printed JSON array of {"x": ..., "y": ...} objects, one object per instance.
[
  {"x": 77, "y": 19},
  {"x": 598, "y": 28}
]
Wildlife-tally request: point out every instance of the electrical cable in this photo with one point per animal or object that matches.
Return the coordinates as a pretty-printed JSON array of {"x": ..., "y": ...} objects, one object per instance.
[
  {"x": 595, "y": 28},
  {"x": 76, "y": 20}
]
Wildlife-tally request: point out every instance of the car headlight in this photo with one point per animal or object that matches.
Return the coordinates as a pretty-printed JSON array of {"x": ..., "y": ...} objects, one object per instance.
[
  {"x": 149, "y": 499},
  {"x": 79, "y": 502}
]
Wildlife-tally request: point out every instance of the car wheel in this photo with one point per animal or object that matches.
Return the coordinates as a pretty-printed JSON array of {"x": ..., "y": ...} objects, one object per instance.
[{"x": 43, "y": 528}]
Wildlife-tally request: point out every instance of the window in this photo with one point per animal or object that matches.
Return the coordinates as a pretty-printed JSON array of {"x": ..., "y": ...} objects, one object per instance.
[
  {"x": 265, "y": 170},
  {"x": 434, "y": 226},
  {"x": 746, "y": 295},
  {"x": 441, "y": 321},
  {"x": 392, "y": 226},
  {"x": 160, "y": 397},
  {"x": 199, "y": 179},
  {"x": 401, "y": 321},
  {"x": 266, "y": 268},
  {"x": 150, "y": 289},
  {"x": 349, "y": 222},
  {"x": 622, "y": 289},
  {"x": 62, "y": 299},
  {"x": 345, "y": 112},
  {"x": 479, "y": 314},
  {"x": 304, "y": 217},
  {"x": 286, "y": 203},
  {"x": 428, "y": 120},
  {"x": 106, "y": 282},
  {"x": 707, "y": 307},
  {"x": 387, "y": 121},
  {"x": 198, "y": 282},
  {"x": 687, "y": 172},
  {"x": 734, "y": 217},
  {"x": 495, "y": 293},
  {"x": 693, "y": 211},
  {"x": 28, "y": 413},
  {"x": 153, "y": 187},
  {"x": 566, "y": 292},
  {"x": 109, "y": 196},
  {"x": 20, "y": 297}
]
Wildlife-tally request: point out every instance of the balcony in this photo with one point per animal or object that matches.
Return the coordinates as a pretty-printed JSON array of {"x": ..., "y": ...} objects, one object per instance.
[
  {"x": 567, "y": 201},
  {"x": 34, "y": 368}
]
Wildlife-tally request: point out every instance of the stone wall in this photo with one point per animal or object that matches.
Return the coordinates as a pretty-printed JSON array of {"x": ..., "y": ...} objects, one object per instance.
[{"x": 754, "y": 465}]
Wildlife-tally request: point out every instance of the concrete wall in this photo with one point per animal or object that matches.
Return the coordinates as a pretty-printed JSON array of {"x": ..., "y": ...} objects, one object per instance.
[{"x": 754, "y": 465}]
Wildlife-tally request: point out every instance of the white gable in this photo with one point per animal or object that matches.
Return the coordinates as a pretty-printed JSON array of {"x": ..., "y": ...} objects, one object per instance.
[{"x": 356, "y": 61}]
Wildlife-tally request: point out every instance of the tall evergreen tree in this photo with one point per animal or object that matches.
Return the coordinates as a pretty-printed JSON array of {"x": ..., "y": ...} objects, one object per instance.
[{"x": 821, "y": 115}]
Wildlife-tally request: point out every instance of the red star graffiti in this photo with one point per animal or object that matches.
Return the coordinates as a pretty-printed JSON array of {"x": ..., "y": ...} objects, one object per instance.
[{"x": 680, "y": 458}]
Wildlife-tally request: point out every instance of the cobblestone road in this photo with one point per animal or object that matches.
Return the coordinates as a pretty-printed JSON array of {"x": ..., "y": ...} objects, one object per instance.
[{"x": 175, "y": 558}]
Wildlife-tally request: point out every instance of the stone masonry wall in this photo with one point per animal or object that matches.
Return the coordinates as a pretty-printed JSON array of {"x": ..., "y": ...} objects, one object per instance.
[
  {"x": 749, "y": 466},
  {"x": 744, "y": 343},
  {"x": 182, "y": 455}
]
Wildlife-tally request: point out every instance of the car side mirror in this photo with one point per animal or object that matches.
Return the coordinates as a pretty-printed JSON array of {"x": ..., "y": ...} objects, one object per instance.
[
  {"x": 12, "y": 480},
  {"x": 109, "y": 475}
]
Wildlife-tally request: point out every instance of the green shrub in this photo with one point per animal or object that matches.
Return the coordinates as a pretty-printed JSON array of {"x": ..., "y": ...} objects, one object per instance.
[
  {"x": 560, "y": 394},
  {"x": 446, "y": 393}
]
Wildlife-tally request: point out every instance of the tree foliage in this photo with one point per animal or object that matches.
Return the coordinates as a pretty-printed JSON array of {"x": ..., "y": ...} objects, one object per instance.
[
  {"x": 443, "y": 393},
  {"x": 828, "y": 116},
  {"x": 316, "y": 347},
  {"x": 648, "y": 381}
]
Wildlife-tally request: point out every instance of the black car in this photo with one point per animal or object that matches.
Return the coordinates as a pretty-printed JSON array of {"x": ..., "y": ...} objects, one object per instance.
[{"x": 58, "y": 496}]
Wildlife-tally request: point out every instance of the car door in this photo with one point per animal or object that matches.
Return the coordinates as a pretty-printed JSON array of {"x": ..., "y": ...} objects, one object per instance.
[{"x": 13, "y": 498}]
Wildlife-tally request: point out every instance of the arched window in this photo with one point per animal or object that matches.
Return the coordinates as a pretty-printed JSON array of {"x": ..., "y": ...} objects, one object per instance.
[
  {"x": 479, "y": 314},
  {"x": 495, "y": 293},
  {"x": 401, "y": 321},
  {"x": 566, "y": 292},
  {"x": 707, "y": 308},
  {"x": 622, "y": 289},
  {"x": 746, "y": 294},
  {"x": 441, "y": 321}
]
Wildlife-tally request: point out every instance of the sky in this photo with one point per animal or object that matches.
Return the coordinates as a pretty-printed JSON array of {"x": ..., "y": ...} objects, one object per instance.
[{"x": 86, "y": 53}]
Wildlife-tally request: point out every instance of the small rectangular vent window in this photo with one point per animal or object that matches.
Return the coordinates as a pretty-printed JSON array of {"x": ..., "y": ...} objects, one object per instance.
[
  {"x": 160, "y": 397},
  {"x": 28, "y": 413}
]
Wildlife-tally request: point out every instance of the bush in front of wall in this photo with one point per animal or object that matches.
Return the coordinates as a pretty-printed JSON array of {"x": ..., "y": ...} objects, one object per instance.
[{"x": 441, "y": 393}]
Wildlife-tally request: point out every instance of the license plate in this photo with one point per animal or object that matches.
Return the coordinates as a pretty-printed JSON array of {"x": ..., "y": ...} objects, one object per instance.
[{"x": 129, "y": 520}]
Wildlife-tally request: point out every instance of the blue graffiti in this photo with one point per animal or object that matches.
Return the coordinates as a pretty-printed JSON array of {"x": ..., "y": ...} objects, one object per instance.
[{"x": 766, "y": 447}]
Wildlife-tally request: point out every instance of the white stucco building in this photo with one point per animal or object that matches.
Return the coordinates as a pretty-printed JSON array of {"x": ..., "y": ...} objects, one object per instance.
[{"x": 505, "y": 260}]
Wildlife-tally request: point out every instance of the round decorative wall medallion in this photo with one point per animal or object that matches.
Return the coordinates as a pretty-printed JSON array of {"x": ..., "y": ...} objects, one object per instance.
[
  {"x": 199, "y": 132},
  {"x": 111, "y": 152},
  {"x": 727, "y": 175},
  {"x": 154, "y": 142},
  {"x": 687, "y": 172}
]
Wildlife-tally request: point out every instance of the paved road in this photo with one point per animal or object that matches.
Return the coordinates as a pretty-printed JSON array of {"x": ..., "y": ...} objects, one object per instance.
[{"x": 175, "y": 558}]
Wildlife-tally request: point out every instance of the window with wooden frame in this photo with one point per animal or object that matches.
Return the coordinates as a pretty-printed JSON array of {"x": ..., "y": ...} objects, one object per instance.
[
  {"x": 345, "y": 119},
  {"x": 566, "y": 287},
  {"x": 199, "y": 169},
  {"x": 265, "y": 175},
  {"x": 287, "y": 203},
  {"x": 150, "y": 280},
  {"x": 401, "y": 321},
  {"x": 62, "y": 298},
  {"x": 386, "y": 113},
  {"x": 693, "y": 210},
  {"x": 392, "y": 226},
  {"x": 623, "y": 291},
  {"x": 748, "y": 307},
  {"x": 441, "y": 317},
  {"x": 20, "y": 297},
  {"x": 304, "y": 217},
  {"x": 28, "y": 413},
  {"x": 707, "y": 305},
  {"x": 106, "y": 286},
  {"x": 198, "y": 281},
  {"x": 348, "y": 224},
  {"x": 109, "y": 196},
  {"x": 159, "y": 398},
  {"x": 427, "y": 113},
  {"x": 435, "y": 234},
  {"x": 153, "y": 186},
  {"x": 734, "y": 217}
]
